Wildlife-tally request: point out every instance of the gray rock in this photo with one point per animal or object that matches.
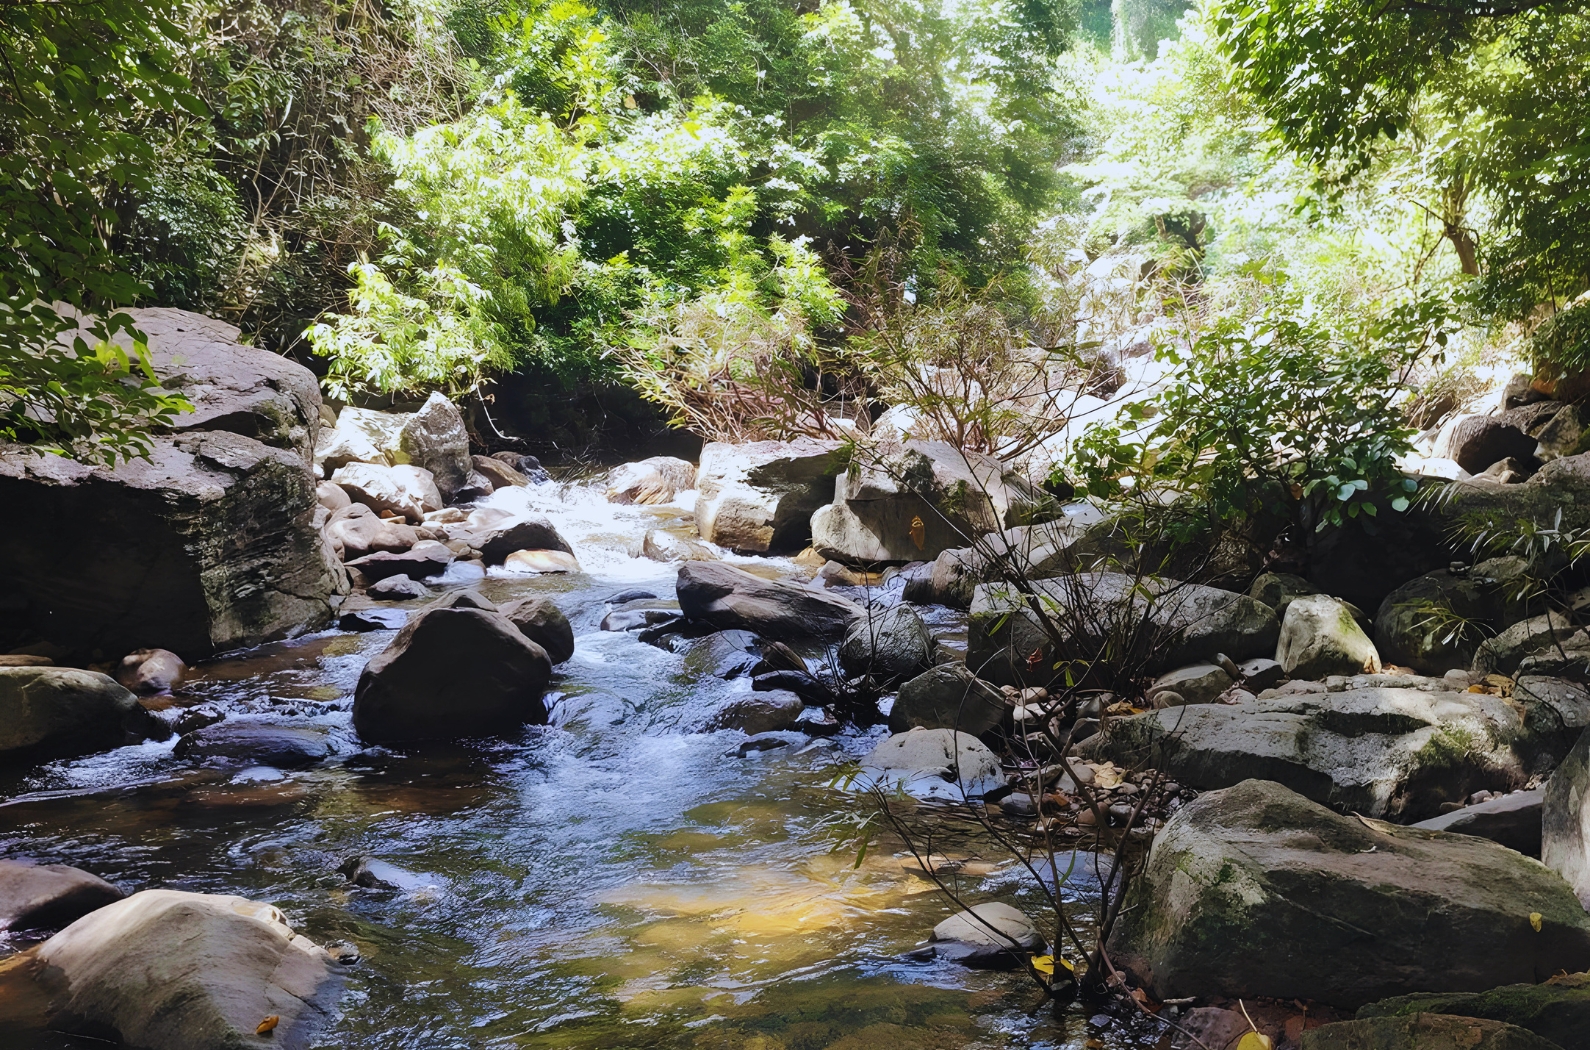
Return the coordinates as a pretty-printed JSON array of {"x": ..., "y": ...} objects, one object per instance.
[
  {"x": 254, "y": 744},
  {"x": 360, "y": 436},
  {"x": 773, "y": 740},
  {"x": 356, "y": 530},
  {"x": 372, "y": 873},
  {"x": 539, "y": 620},
  {"x": 332, "y": 497},
  {"x": 650, "y": 481},
  {"x": 1277, "y": 589},
  {"x": 948, "y": 696},
  {"x": 640, "y": 612},
  {"x": 497, "y": 533},
  {"x": 994, "y": 925},
  {"x": 500, "y": 474},
  {"x": 1386, "y": 752},
  {"x": 758, "y": 713},
  {"x": 186, "y": 971},
  {"x": 425, "y": 559},
  {"x": 759, "y": 497},
  {"x": 1565, "y": 820},
  {"x": 1320, "y": 637},
  {"x": 1503, "y": 653},
  {"x": 1039, "y": 551},
  {"x": 1160, "y": 623},
  {"x": 1415, "y": 624},
  {"x": 723, "y": 654},
  {"x": 51, "y": 711},
  {"x": 1512, "y": 819},
  {"x": 732, "y": 599},
  {"x": 435, "y": 440},
  {"x": 1423, "y": 1031},
  {"x": 1563, "y": 435},
  {"x": 49, "y": 896},
  {"x": 1260, "y": 674},
  {"x": 452, "y": 673},
  {"x": 398, "y": 588},
  {"x": 1475, "y": 442},
  {"x": 1197, "y": 684},
  {"x": 933, "y": 763},
  {"x": 1256, "y": 891},
  {"x": 150, "y": 671},
  {"x": 407, "y": 491},
  {"x": 658, "y": 545},
  {"x": 915, "y": 500},
  {"x": 1556, "y": 712},
  {"x": 889, "y": 644},
  {"x": 1557, "y": 1010}
]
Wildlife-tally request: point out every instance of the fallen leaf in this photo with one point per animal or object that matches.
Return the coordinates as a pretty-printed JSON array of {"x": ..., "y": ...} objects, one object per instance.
[
  {"x": 1534, "y": 921},
  {"x": 918, "y": 533},
  {"x": 1255, "y": 1041},
  {"x": 268, "y": 1025},
  {"x": 1044, "y": 964}
]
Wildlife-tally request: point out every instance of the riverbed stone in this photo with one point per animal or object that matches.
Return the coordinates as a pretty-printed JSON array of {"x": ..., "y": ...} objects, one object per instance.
[
  {"x": 1503, "y": 653},
  {"x": 1410, "y": 628},
  {"x": 658, "y": 545},
  {"x": 759, "y": 497},
  {"x": 360, "y": 435},
  {"x": 1557, "y": 1009},
  {"x": 406, "y": 491},
  {"x": 650, "y": 481},
  {"x": 452, "y": 673},
  {"x": 541, "y": 621},
  {"x": 56, "y": 711},
  {"x": 332, "y": 497},
  {"x": 1565, "y": 819},
  {"x": 948, "y": 696},
  {"x": 1422, "y": 1031},
  {"x": 540, "y": 561},
  {"x": 1320, "y": 637},
  {"x": 150, "y": 671},
  {"x": 497, "y": 533},
  {"x": 236, "y": 742},
  {"x": 933, "y": 763},
  {"x": 889, "y": 644},
  {"x": 765, "y": 712},
  {"x": 356, "y": 530},
  {"x": 500, "y": 474},
  {"x": 186, "y": 971},
  {"x": 1037, "y": 552},
  {"x": 399, "y": 588},
  {"x": 425, "y": 559},
  {"x": 1194, "y": 684},
  {"x": 1386, "y": 752},
  {"x": 993, "y": 924},
  {"x": 912, "y": 500},
  {"x": 49, "y": 896},
  {"x": 1256, "y": 891},
  {"x": 1475, "y": 442},
  {"x": 730, "y": 598},
  {"x": 1170, "y": 624},
  {"x": 1513, "y": 819},
  {"x": 435, "y": 440}
]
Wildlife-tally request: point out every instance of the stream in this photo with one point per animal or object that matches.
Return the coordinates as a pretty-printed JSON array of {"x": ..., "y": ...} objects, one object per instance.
[{"x": 611, "y": 880}]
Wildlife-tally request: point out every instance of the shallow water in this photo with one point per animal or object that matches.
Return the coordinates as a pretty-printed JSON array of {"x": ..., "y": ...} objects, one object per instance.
[{"x": 613, "y": 880}]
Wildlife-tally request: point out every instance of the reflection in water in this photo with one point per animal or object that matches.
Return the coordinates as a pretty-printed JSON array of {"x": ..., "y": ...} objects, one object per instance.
[{"x": 611, "y": 881}]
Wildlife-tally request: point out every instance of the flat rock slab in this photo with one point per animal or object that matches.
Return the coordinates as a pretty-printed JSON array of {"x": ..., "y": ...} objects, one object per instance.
[
  {"x": 1513, "y": 820},
  {"x": 1421, "y": 1032},
  {"x": 1256, "y": 891},
  {"x": 1385, "y": 752},
  {"x": 1558, "y": 1010}
]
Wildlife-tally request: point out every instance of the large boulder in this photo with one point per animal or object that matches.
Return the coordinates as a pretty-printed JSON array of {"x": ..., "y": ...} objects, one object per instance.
[
  {"x": 361, "y": 435},
  {"x": 912, "y": 501},
  {"x": 1320, "y": 637},
  {"x": 1384, "y": 750},
  {"x": 760, "y": 497},
  {"x": 407, "y": 491},
  {"x": 170, "y": 970},
  {"x": 650, "y": 481},
  {"x": 1475, "y": 442},
  {"x": 435, "y": 440},
  {"x": 933, "y": 763},
  {"x": 888, "y": 644},
  {"x": 1036, "y": 552},
  {"x": 497, "y": 533},
  {"x": 539, "y": 620},
  {"x": 1147, "y": 621},
  {"x": 1255, "y": 891},
  {"x": 1549, "y": 632},
  {"x": 49, "y": 896},
  {"x": 732, "y": 599},
  {"x": 50, "y": 711},
  {"x": 948, "y": 697},
  {"x": 1422, "y": 1031},
  {"x": 209, "y": 544},
  {"x": 451, "y": 673},
  {"x": 1436, "y": 622},
  {"x": 1557, "y": 1009},
  {"x": 1565, "y": 819}
]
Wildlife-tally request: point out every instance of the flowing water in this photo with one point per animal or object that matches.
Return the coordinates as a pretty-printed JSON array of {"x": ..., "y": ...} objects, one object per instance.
[{"x": 613, "y": 880}]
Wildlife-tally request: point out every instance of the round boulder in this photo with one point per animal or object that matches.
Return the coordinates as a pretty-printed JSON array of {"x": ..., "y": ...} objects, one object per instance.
[
  {"x": 49, "y": 896},
  {"x": 1320, "y": 637},
  {"x": 890, "y": 644},
  {"x": 948, "y": 697},
  {"x": 544, "y": 624},
  {"x": 51, "y": 711},
  {"x": 933, "y": 763}
]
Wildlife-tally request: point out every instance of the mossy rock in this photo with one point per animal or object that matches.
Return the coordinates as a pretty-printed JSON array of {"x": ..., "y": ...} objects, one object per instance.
[{"x": 1558, "y": 1010}]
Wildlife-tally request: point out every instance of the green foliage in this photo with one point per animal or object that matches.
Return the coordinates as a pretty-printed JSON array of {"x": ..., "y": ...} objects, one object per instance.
[
  {"x": 1269, "y": 410},
  {"x": 80, "y": 78}
]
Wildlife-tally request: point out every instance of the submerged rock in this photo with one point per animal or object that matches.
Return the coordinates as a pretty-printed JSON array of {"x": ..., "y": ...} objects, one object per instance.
[
  {"x": 254, "y": 744},
  {"x": 729, "y": 598},
  {"x": 49, "y": 896},
  {"x": 451, "y": 673},
  {"x": 149, "y": 671},
  {"x": 1256, "y": 891},
  {"x": 758, "y": 713},
  {"x": 186, "y": 971},
  {"x": 47, "y": 712}
]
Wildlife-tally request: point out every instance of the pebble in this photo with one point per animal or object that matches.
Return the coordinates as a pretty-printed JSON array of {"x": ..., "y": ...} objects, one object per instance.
[{"x": 1018, "y": 804}]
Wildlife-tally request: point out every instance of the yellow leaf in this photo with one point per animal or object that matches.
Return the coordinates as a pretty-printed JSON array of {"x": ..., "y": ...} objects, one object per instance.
[
  {"x": 1255, "y": 1041},
  {"x": 918, "y": 532},
  {"x": 1534, "y": 921},
  {"x": 268, "y": 1025},
  {"x": 1043, "y": 964}
]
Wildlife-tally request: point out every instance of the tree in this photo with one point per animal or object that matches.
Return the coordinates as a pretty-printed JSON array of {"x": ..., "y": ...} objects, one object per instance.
[{"x": 77, "y": 81}]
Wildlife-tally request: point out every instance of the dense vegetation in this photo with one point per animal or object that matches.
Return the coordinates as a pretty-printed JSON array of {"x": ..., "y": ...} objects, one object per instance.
[{"x": 773, "y": 217}]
